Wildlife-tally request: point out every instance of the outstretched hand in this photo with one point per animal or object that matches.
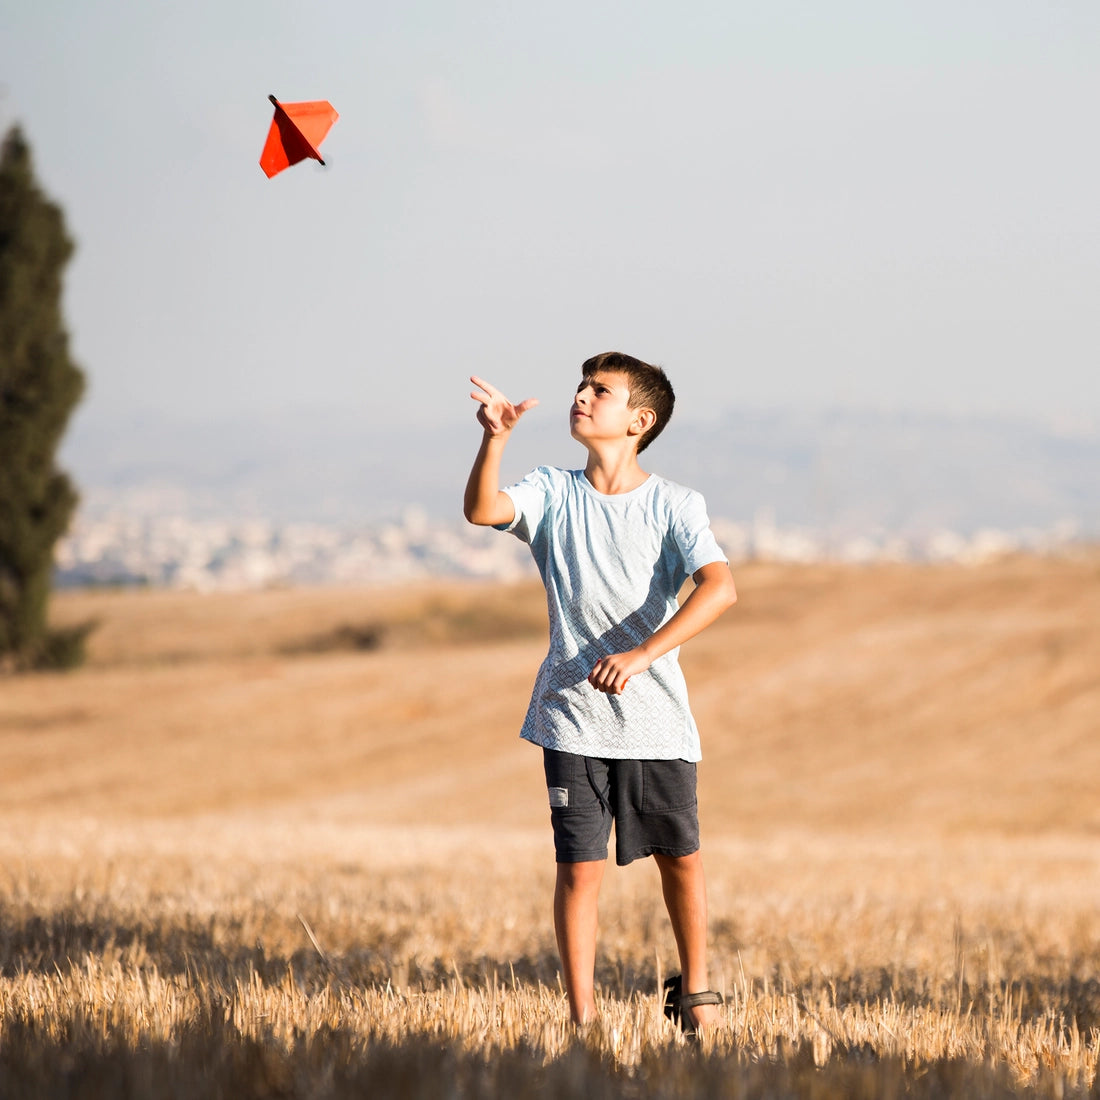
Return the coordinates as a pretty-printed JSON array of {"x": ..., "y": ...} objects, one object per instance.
[{"x": 497, "y": 414}]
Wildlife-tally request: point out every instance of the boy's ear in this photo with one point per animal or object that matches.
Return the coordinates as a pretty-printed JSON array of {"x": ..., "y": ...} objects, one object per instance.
[{"x": 644, "y": 419}]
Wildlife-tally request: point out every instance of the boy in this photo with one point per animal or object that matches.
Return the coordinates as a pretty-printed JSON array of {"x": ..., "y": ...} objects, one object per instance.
[{"x": 614, "y": 545}]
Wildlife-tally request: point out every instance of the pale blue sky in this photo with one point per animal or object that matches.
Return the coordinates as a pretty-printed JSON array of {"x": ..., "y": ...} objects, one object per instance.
[{"x": 859, "y": 203}]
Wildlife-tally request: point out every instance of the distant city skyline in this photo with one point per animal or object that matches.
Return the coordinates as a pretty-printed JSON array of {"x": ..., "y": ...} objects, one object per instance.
[
  {"x": 885, "y": 206},
  {"x": 843, "y": 473},
  {"x": 147, "y": 538}
]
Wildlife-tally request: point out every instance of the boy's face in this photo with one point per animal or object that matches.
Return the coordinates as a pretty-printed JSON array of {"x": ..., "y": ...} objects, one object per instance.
[{"x": 601, "y": 409}]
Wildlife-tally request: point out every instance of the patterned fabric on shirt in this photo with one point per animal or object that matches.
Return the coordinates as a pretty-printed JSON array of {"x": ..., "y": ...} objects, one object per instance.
[{"x": 612, "y": 566}]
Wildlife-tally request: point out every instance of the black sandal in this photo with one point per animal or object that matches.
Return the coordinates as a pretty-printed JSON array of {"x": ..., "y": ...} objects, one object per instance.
[{"x": 677, "y": 1003}]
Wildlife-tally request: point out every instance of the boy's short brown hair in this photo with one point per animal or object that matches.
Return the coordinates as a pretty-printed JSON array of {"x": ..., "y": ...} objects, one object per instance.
[{"x": 649, "y": 387}]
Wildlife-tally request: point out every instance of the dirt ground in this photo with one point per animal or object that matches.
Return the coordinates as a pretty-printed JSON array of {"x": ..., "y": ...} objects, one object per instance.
[{"x": 891, "y": 700}]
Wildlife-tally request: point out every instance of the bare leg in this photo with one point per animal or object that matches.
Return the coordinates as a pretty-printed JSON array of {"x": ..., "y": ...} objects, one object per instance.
[
  {"x": 685, "y": 894},
  {"x": 576, "y": 896}
]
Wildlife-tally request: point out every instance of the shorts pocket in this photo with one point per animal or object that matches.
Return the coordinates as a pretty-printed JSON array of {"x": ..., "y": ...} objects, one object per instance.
[
  {"x": 668, "y": 785},
  {"x": 563, "y": 772}
]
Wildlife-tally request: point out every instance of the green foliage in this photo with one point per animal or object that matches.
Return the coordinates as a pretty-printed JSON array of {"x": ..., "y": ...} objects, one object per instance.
[
  {"x": 39, "y": 388},
  {"x": 62, "y": 648}
]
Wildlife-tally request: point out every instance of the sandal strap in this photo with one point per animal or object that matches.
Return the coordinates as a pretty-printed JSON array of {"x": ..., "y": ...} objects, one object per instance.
[{"x": 707, "y": 997}]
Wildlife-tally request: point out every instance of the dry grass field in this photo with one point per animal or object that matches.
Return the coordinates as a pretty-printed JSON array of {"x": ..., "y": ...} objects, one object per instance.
[{"x": 288, "y": 844}]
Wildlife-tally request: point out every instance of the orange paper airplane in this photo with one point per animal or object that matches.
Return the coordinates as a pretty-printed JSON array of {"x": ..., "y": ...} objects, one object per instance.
[{"x": 296, "y": 132}]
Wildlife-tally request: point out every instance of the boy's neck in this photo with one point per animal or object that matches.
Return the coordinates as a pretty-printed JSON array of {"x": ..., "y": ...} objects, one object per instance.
[{"x": 614, "y": 470}]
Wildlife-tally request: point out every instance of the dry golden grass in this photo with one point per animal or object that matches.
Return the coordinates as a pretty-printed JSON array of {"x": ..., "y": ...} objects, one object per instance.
[{"x": 239, "y": 861}]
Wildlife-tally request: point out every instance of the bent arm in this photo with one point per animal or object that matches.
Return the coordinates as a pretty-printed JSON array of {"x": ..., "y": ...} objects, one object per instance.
[
  {"x": 713, "y": 593},
  {"x": 485, "y": 504}
]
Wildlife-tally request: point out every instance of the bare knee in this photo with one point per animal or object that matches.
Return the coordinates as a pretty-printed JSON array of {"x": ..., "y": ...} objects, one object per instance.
[
  {"x": 680, "y": 866},
  {"x": 580, "y": 877}
]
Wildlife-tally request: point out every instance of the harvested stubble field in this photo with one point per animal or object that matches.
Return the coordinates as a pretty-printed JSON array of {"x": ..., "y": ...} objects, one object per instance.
[{"x": 288, "y": 844}]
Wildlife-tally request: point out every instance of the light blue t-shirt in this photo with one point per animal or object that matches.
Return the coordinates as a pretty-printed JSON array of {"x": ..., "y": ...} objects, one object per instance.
[{"x": 612, "y": 567}]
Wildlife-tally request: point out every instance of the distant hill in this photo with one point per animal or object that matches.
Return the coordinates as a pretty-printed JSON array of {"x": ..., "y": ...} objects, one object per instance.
[{"x": 844, "y": 472}]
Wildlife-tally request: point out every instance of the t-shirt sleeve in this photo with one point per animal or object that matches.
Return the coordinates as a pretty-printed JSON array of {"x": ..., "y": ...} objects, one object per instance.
[
  {"x": 693, "y": 535},
  {"x": 531, "y": 497}
]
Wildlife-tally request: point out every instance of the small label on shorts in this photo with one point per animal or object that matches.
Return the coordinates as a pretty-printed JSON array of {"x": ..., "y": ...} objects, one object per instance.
[{"x": 559, "y": 796}]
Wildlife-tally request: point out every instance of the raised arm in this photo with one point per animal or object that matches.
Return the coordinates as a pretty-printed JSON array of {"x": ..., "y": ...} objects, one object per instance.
[
  {"x": 713, "y": 593},
  {"x": 484, "y": 503}
]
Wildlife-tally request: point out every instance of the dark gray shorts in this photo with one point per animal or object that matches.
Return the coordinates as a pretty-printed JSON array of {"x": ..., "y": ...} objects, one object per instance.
[{"x": 652, "y": 803}]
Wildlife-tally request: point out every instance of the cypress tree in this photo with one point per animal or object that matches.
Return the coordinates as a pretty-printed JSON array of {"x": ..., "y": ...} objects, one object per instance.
[{"x": 39, "y": 388}]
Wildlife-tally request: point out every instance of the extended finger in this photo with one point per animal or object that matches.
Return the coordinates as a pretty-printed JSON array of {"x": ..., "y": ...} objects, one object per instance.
[{"x": 491, "y": 390}]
